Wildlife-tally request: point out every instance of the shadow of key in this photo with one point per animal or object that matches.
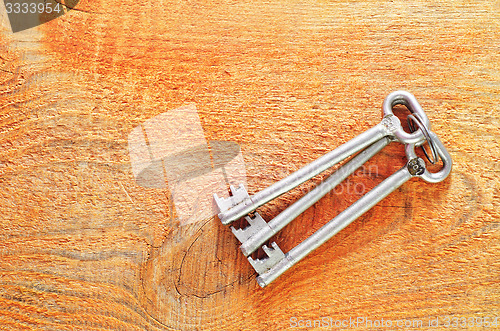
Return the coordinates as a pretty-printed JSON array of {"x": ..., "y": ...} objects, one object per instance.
[{"x": 194, "y": 162}]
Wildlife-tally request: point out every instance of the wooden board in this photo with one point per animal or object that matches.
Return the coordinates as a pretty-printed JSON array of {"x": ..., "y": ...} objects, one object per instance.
[{"x": 83, "y": 247}]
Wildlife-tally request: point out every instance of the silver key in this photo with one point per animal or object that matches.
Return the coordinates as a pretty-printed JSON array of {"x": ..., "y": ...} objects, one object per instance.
[
  {"x": 390, "y": 126},
  {"x": 254, "y": 235},
  {"x": 259, "y": 233},
  {"x": 415, "y": 167}
]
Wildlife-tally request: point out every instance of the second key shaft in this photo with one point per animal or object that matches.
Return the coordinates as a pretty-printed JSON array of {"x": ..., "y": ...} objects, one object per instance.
[
  {"x": 301, "y": 205},
  {"x": 342, "y": 220},
  {"x": 386, "y": 127}
]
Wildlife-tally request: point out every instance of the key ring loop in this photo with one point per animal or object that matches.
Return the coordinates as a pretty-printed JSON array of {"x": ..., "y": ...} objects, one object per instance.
[
  {"x": 407, "y": 99},
  {"x": 415, "y": 118},
  {"x": 432, "y": 177}
]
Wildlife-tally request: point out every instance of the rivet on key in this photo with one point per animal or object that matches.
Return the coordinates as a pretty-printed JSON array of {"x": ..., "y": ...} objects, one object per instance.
[{"x": 368, "y": 144}]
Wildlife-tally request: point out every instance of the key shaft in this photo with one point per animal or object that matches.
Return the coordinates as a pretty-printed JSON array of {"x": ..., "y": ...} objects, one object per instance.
[
  {"x": 338, "y": 223},
  {"x": 279, "y": 222},
  {"x": 386, "y": 127}
]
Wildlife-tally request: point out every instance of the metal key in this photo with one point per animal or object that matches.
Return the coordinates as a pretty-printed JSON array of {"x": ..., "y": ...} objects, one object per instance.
[
  {"x": 240, "y": 203},
  {"x": 258, "y": 231},
  {"x": 415, "y": 167},
  {"x": 253, "y": 236}
]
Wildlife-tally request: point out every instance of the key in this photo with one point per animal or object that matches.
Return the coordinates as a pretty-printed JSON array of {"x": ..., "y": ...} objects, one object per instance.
[
  {"x": 415, "y": 167},
  {"x": 274, "y": 255},
  {"x": 390, "y": 126},
  {"x": 258, "y": 233},
  {"x": 253, "y": 236}
]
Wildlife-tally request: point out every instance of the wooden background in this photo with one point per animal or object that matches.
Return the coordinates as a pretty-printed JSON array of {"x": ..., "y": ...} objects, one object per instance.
[{"x": 83, "y": 247}]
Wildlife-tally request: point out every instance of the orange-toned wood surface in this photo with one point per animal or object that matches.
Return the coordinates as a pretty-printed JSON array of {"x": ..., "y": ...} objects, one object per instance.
[{"x": 83, "y": 247}]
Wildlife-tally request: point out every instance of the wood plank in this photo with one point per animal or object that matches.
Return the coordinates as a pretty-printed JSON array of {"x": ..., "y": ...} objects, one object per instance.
[{"x": 83, "y": 247}]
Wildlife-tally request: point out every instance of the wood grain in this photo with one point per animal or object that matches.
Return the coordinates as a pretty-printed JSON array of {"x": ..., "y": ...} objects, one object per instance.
[{"x": 83, "y": 247}]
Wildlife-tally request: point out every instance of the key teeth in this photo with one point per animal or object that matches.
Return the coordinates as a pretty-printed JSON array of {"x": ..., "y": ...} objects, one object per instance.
[
  {"x": 269, "y": 251},
  {"x": 234, "y": 190},
  {"x": 238, "y": 195},
  {"x": 218, "y": 200},
  {"x": 255, "y": 225},
  {"x": 274, "y": 256}
]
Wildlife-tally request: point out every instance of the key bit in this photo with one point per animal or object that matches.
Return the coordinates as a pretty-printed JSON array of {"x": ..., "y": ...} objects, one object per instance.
[
  {"x": 256, "y": 224},
  {"x": 238, "y": 196},
  {"x": 275, "y": 255}
]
